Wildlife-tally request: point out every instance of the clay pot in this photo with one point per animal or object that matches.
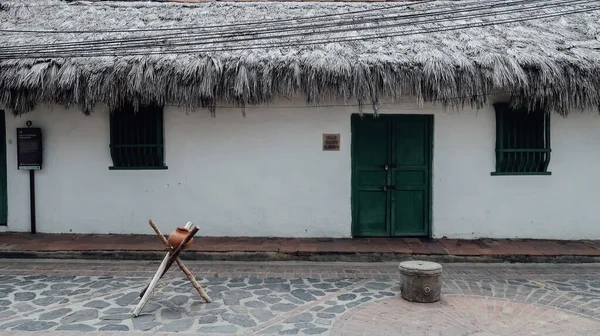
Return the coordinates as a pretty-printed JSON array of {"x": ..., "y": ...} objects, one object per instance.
[{"x": 177, "y": 236}]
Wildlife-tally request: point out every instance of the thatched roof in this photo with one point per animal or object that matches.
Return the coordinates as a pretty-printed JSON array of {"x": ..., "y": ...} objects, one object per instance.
[{"x": 552, "y": 61}]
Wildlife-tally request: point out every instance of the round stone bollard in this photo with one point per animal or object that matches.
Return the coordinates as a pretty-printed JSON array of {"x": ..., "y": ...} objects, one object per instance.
[{"x": 421, "y": 281}]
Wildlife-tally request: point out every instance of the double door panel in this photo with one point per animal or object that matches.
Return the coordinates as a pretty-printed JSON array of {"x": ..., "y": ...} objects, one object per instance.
[{"x": 391, "y": 159}]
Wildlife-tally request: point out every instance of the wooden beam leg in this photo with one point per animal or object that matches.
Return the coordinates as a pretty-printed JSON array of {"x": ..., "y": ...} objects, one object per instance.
[
  {"x": 195, "y": 283},
  {"x": 163, "y": 265},
  {"x": 146, "y": 297}
]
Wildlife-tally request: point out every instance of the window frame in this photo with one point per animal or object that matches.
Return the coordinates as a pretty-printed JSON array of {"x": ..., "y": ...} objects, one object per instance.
[
  {"x": 140, "y": 149},
  {"x": 528, "y": 154}
]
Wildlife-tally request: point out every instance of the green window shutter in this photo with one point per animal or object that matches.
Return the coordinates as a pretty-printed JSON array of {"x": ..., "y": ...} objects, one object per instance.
[
  {"x": 137, "y": 139},
  {"x": 522, "y": 141}
]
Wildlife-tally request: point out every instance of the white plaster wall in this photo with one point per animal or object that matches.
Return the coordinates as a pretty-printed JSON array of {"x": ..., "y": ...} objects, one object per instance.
[{"x": 266, "y": 175}]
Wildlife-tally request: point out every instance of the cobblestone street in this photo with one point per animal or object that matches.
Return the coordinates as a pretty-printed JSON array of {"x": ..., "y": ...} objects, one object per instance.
[{"x": 295, "y": 298}]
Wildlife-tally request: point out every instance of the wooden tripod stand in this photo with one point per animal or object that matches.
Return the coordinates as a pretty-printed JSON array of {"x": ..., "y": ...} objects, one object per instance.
[{"x": 171, "y": 257}]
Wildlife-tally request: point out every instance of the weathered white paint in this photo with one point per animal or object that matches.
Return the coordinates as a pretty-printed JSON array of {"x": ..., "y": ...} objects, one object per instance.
[{"x": 266, "y": 175}]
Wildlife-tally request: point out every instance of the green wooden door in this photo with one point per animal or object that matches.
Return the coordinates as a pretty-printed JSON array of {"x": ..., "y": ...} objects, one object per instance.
[{"x": 391, "y": 175}]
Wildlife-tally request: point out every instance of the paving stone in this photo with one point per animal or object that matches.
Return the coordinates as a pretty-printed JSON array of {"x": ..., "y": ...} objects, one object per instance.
[
  {"x": 62, "y": 292},
  {"x": 263, "y": 292},
  {"x": 219, "y": 288},
  {"x": 342, "y": 284},
  {"x": 346, "y": 297},
  {"x": 304, "y": 325},
  {"x": 325, "y": 315},
  {"x": 80, "y": 316},
  {"x": 177, "y": 326},
  {"x": 314, "y": 331},
  {"x": 274, "y": 329},
  {"x": 280, "y": 288},
  {"x": 237, "y": 294},
  {"x": 269, "y": 299},
  {"x": 128, "y": 298},
  {"x": 35, "y": 286},
  {"x": 255, "y": 287},
  {"x": 353, "y": 304},
  {"x": 24, "y": 296},
  {"x": 316, "y": 308},
  {"x": 4, "y": 302},
  {"x": 174, "y": 313},
  {"x": 208, "y": 319},
  {"x": 7, "y": 313},
  {"x": 54, "y": 314},
  {"x": 146, "y": 326},
  {"x": 274, "y": 280},
  {"x": 255, "y": 304},
  {"x": 293, "y": 331},
  {"x": 63, "y": 286},
  {"x": 239, "y": 309},
  {"x": 35, "y": 326},
  {"x": 98, "y": 304},
  {"x": 283, "y": 307},
  {"x": 262, "y": 315},
  {"x": 114, "y": 317},
  {"x": 240, "y": 320},
  {"x": 231, "y": 301},
  {"x": 303, "y": 295},
  {"x": 323, "y": 321},
  {"x": 11, "y": 324},
  {"x": 255, "y": 281},
  {"x": 76, "y": 327},
  {"x": 23, "y": 307},
  {"x": 117, "y": 311},
  {"x": 303, "y": 317},
  {"x": 114, "y": 327},
  {"x": 316, "y": 292},
  {"x": 225, "y": 329}
]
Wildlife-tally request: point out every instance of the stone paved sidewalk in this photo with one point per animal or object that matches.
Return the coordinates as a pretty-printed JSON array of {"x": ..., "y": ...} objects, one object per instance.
[
  {"x": 303, "y": 298},
  {"x": 144, "y": 247}
]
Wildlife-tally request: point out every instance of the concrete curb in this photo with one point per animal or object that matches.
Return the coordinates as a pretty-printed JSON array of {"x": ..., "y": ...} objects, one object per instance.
[{"x": 277, "y": 256}]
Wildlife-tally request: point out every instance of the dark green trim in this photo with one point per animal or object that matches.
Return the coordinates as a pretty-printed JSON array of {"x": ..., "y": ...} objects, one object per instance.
[
  {"x": 353, "y": 182},
  {"x": 430, "y": 180},
  {"x": 353, "y": 178},
  {"x": 3, "y": 168}
]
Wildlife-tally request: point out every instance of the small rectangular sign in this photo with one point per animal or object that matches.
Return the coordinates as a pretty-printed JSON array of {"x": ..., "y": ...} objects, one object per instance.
[
  {"x": 29, "y": 148},
  {"x": 331, "y": 142}
]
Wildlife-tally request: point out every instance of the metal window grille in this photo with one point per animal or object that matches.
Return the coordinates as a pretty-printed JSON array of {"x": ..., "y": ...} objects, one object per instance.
[
  {"x": 522, "y": 141},
  {"x": 136, "y": 139}
]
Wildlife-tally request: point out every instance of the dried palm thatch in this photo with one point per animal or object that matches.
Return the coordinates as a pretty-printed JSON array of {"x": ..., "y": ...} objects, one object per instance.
[{"x": 553, "y": 62}]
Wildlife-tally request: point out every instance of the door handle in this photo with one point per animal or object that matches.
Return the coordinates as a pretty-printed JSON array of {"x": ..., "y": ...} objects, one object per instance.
[
  {"x": 386, "y": 187},
  {"x": 389, "y": 165}
]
